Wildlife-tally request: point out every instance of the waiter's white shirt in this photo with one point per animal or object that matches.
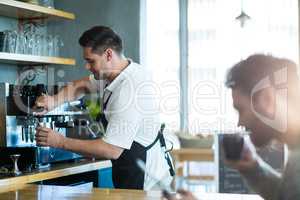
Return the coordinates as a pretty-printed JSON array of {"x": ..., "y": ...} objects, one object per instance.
[{"x": 132, "y": 113}]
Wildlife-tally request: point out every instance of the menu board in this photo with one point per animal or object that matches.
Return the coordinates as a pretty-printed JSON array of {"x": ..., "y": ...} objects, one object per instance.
[{"x": 230, "y": 180}]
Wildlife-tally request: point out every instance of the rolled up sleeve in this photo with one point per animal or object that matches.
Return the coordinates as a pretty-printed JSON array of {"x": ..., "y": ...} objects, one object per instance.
[{"x": 124, "y": 119}]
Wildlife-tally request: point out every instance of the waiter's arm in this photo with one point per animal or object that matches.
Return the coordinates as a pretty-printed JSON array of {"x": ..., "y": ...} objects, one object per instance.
[
  {"x": 70, "y": 92},
  {"x": 93, "y": 148},
  {"x": 73, "y": 90}
]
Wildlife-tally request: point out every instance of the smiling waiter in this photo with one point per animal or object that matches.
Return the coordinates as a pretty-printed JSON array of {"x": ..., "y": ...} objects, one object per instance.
[{"x": 130, "y": 116}]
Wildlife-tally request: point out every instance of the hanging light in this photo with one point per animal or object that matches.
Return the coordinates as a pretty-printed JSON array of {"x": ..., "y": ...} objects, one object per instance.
[{"x": 243, "y": 17}]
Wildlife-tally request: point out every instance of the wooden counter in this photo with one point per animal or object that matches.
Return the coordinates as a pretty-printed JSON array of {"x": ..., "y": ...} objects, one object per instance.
[
  {"x": 43, "y": 192},
  {"x": 55, "y": 171}
]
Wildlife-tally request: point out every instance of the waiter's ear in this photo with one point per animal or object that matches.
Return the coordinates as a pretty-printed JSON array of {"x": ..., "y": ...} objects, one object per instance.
[{"x": 108, "y": 53}]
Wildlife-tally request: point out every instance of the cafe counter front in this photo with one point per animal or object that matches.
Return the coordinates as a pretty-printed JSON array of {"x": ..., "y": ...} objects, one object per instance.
[
  {"x": 25, "y": 186},
  {"x": 60, "y": 173},
  {"x": 45, "y": 192}
]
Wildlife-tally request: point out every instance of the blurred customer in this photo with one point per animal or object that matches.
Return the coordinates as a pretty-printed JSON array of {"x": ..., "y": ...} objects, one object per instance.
[{"x": 266, "y": 94}]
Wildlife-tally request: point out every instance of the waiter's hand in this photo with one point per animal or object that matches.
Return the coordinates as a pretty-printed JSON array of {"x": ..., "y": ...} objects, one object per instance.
[
  {"x": 48, "y": 137},
  {"x": 46, "y": 102},
  {"x": 248, "y": 159},
  {"x": 184, "y": 195}
]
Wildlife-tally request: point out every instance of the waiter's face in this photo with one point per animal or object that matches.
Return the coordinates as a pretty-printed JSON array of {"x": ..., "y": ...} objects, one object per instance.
[
  {"x": 95, "y": 63},
  {"x": 261, "y": 134}
]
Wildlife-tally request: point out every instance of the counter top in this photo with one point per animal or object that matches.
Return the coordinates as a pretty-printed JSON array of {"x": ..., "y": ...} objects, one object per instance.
[
  {"x": 55, "y": 171},
  {"x": 44, "y": 192}
]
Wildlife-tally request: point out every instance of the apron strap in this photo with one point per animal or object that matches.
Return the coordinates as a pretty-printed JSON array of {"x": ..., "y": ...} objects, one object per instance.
[
  {"x": 101, "y": 117},
  {"x": 161, "y": 139}
]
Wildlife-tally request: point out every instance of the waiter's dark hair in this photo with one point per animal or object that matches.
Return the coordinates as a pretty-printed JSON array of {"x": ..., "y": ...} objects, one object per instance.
[
  {"x": 100, "y": 38},
  {"x": 247, "y": 73}
]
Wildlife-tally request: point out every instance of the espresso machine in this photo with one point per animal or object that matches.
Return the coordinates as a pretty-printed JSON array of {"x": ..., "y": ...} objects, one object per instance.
[{"x": 18, "y": 123}]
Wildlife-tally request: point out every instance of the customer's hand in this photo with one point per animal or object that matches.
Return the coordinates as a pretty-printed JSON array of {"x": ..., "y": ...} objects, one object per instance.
[
  {"x": 46, "y": 102},
  {"x": 248, "y": 159},
  {"x": 48, "y": 137},
  {"x": 183, "y": 195}
]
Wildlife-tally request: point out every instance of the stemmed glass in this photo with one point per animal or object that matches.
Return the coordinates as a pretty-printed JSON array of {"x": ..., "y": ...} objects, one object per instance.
[
  {"x": 20, "y": 43},
  {"x": 15, "y": 158},
  {"x": 50, "y": 45},
  {"x": 30, "y": 43},
  {"x": 10, "y": 40},
  {"x": 37, "y": 44},
  {"x": 5, "y": 41},
  {"x": 58, "y": 44}
]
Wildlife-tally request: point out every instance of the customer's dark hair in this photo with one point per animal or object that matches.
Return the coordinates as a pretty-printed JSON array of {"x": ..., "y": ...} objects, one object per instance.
[
  {"x": 247, "y": 73},
  {"x": 100, "y": 38}
]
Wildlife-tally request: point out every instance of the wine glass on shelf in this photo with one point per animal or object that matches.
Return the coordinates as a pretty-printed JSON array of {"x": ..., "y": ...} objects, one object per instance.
[
  {"x": 12, "y": 41},
  {"x": 5, "y": 41},
  {"x": 58, "y": 44},
  {"x": 44, "y": 49},
  {"x": 50, "y": 45},
  {"x": 37, "y": 44},
  {"x": 20, "y": 43},
  {"x": 29, "y": 42}
]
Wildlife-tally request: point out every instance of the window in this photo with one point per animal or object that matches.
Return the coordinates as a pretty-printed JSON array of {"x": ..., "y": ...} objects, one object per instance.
[
  {"x": 161, "y": 45},
  {"x": 216, "y": 41}
]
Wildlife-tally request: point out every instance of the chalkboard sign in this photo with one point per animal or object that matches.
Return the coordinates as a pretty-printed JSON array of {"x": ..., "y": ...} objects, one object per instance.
[{"x": 230, "y": 180}]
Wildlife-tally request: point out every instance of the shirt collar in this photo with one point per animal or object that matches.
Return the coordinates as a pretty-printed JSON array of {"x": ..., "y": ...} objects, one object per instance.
[{"x": 120, "y": 78}]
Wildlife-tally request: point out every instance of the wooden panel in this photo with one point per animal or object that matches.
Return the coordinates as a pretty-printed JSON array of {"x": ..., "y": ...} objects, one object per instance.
[
  {"x": 20, "y": 10},
  {"x": 12, "y": 187},
  {"x": 55, "y": 171},
  {"x": 193, "y": 154},
  {"x": 202, "y": 178},
  {"x": 22, "y": 59}
]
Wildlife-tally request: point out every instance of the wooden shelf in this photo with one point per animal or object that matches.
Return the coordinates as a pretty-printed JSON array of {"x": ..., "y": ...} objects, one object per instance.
[
  {"x": 22, "y": 11},
  {"x": 22, "y": 59}
]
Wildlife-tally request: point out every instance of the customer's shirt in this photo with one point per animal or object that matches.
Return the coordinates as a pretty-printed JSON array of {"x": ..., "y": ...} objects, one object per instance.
[
  {"x": 133, "y": 115},
  {"x": 290, "y": 186}
]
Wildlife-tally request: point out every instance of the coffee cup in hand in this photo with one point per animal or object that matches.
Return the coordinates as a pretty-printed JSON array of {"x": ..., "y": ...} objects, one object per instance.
[{"x": 232, "y": 146}]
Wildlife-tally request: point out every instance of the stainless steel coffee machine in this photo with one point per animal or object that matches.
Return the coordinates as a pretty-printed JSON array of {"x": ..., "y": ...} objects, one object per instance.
[{"x": 18, "y": 124}]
